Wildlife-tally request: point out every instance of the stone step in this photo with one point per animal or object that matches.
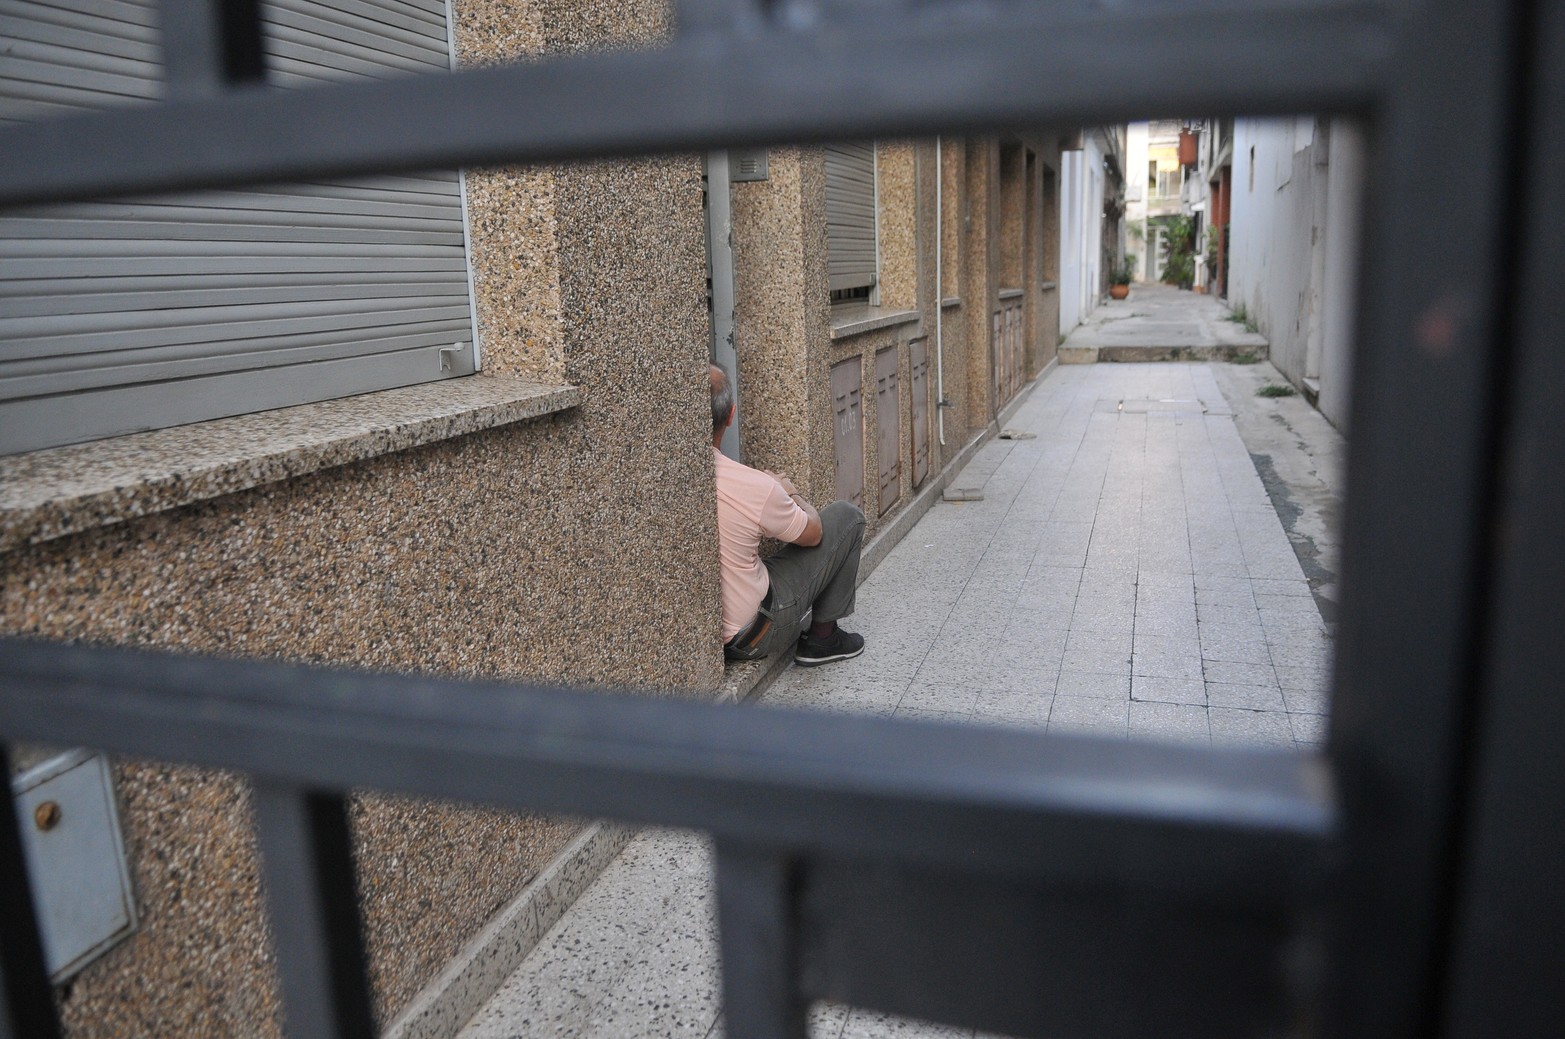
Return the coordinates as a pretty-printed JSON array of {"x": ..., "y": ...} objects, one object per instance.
[{"x": 1131, "y": 354}]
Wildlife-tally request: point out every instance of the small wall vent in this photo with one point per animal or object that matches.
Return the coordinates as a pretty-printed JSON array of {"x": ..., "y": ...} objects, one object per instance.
[{"x": 747, "y": 164}]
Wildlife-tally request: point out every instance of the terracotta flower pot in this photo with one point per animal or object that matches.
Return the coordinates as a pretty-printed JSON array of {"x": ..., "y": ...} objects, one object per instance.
[{"x": 1119, "y": 291}]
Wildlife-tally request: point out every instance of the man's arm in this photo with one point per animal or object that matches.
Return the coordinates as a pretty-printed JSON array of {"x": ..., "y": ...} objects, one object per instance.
[{"x": 811, "y": 535}]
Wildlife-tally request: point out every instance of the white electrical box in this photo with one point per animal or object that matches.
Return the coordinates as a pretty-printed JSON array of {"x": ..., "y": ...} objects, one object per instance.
[{"x": 70, "y": 827}]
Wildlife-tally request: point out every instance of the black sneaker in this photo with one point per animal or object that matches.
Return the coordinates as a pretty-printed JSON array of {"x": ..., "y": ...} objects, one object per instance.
[{"x": 839, "y": 645}]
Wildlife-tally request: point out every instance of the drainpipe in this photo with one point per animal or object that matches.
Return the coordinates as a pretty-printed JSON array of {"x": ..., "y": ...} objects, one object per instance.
[
  {"x": 940, "y": 304},
  {"x": 720, "y": 265}
]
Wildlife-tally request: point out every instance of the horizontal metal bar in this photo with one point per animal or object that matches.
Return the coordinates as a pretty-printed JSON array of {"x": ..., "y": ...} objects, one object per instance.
[
  {"x": 1047, "y": 961},
  {"x": 1247, "y": 825},
  {"x": 1003, "y": 69}
]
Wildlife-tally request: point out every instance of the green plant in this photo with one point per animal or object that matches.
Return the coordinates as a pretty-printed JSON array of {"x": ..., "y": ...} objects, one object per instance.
[
  {"x": 1241, "y": 316},
  {"x": 1245, "y": 358},
  {"x": 1211, "y": 256},
  {"x": 1271, "y": 389},
  {"x": 1125, "y": 272},
  {"x": 1178, "y": 250}
]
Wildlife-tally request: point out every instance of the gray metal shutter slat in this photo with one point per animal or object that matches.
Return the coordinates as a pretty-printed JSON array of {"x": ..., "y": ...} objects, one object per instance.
[
  {"x": 70, "y": 44},
  {"x": 302, "y": 68},
  {"x": 331, "y": 212},
  {"x": 850, "y": 216},
  {"x": 24, "y": 424},
  {"x": 93, "y": 267},
  {"x": 126, "y": 314},
  {"x": 392, "y": 15},
  {"x": 168, "y": 295},
  {"x": 346, "y": 38},
  {"x": 71, "y": 232},
  {"x": 29, "y": 75},
  {"x": 23, "y": 335},
  {"x": 216, "y": 340},
  {"x": 105, "y": 370},
  {"x": 115, "y": 16}
]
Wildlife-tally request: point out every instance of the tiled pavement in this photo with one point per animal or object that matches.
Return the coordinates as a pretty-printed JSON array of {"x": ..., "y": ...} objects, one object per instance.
[{"x": 1124, "y": 574}]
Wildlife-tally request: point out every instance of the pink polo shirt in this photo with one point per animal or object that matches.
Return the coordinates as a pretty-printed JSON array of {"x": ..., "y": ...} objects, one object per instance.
[{"x": 750, "y": 505}]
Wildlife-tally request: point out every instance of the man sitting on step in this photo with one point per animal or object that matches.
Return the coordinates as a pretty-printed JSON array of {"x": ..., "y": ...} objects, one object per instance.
[{"x": 764, "y": 599}]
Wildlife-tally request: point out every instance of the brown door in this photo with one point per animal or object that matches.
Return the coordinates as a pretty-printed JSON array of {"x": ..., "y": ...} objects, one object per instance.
[
  {"x": 888, "y": 422},
  {"x": 918, "y": 355},
  {"x": 847, "y": 389}
]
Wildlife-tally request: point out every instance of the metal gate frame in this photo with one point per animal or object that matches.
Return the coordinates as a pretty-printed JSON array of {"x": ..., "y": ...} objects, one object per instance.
[{"x": 1402, "y": 883}]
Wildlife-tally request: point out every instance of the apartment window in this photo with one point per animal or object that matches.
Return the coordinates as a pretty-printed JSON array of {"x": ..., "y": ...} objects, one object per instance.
[
  {"x": 127, "y": 315},
  {"x": 852, "y": 261}
]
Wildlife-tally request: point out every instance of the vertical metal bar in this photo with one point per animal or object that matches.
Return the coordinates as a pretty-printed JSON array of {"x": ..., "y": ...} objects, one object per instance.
[
  {"x": 757, "y": 923},
  {"x": 1419, "y": 513},
  {"x": 26, "y": 1000},
  {"x": 1507, "y": 957},
  {"x": 307, "y": 863},
  {"x": 209, "y": 45}
]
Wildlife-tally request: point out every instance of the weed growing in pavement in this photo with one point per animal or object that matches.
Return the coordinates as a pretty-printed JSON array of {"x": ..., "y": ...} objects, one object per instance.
[
  {"x": 1271, "y": 389},
  {"x": 1239, "y": 316},
  {"x": 1245, "y": 358}
]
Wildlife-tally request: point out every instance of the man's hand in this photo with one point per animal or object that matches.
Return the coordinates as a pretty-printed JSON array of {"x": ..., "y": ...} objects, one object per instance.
[
  {"x": 787, "y": 484},
  {"x": 811, "y": 535}
]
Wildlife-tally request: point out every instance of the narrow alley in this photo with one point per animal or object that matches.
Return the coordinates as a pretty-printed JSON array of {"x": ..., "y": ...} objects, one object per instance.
[{"x": 1121, "y": 571}]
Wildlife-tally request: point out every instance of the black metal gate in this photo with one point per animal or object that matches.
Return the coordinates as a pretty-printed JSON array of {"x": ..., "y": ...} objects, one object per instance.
[{"x": 1403, "y": 883}]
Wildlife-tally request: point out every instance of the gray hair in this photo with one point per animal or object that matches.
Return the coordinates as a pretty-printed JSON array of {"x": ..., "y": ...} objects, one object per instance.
[{"x": 722, "y": 398}]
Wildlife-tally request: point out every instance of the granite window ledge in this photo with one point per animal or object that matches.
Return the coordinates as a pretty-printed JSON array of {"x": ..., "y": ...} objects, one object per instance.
[
  {"x": 859, "y": 320},
  {"x": 65, "y": 490},
  {"x": 951, "y": 301},
  {"x": 1009, "y": 294},
  {"x": 1048, "y": 286}
]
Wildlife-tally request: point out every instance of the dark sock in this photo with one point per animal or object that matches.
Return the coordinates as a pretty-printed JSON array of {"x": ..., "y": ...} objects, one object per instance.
[{"x": 821, "y": 630}]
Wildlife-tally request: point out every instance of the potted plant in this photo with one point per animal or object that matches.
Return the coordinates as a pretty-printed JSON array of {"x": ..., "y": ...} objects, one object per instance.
[{"x": 1122, "y": 276}]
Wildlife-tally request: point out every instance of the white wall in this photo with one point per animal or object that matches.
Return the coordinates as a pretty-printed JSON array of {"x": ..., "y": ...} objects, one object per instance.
[
  {"x": 1094, "y": 185},
  {"x": 1070, "y": 240},
  {"x": 1136, "y": 196},
  {"x": 1082, "y": 184},
  {"x": 1344, "y": 218},
  {"x": 1294, "y": 243}
]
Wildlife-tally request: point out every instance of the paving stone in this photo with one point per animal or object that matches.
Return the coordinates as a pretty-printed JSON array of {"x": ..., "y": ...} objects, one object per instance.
[
  {"x": 1228, "y": 671},
  {"x": 1308, "y": 729},
  {"x": 1166, "y": 665},
  {"x": 938, "y": 696},
  {"x": 1298, "y": 589},
  {"x": 1235, "y": 650},
  {"x": 1307, "y": 701},
  {"x": 1248, "y": 697},
  {"x": 1099, "y": 661},
  {"x": 1082, "y": 714},
  {"x": 1168, "y": 722},
  {"x": 1250, "y": 728},
  {"x": 1093, "y": 684},
  {"x": 1168, "y": 690}
]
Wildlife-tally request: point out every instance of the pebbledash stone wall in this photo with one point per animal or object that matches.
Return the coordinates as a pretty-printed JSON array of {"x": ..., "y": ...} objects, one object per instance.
[{"x": 509, "y": 553}]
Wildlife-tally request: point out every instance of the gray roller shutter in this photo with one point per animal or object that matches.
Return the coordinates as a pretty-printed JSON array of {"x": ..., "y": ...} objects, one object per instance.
[
  {"x": 124, "y": 315},
  {"x": 850, "y": 216}
]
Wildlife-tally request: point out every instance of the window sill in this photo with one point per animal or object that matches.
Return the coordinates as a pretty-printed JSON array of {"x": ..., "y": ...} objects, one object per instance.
[
  {"x": 950, "y": 301},
  {"x": 1048, "y": 286},
  {"x": 63, "y": 490},
  {"x": 858, "y": 320},
  {"x": 1012, "y": 293}
]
